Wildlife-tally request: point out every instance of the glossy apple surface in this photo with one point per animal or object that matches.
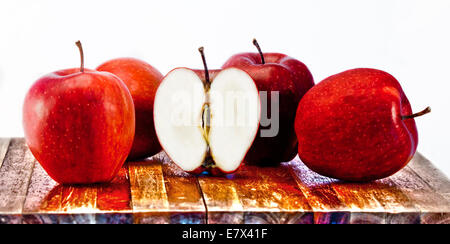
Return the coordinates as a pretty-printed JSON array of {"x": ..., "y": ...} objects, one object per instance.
[
  {"x": 352, "y": 126},
  {"x": 79, "y": 124},
  {"x": 292, "y": 79},
  {"x": 142, "y": 80}
]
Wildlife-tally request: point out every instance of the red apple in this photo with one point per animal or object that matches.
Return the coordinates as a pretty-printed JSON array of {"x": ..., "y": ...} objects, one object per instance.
[
  {"x": 356, "y": 126},
  {"x": 274, "y": 72},
  {"x": 211, "y": 74},
  {"x": 207, "y": 121},
  {"x": 142, "y": 80},
  {"x": 79, "y": 124}
]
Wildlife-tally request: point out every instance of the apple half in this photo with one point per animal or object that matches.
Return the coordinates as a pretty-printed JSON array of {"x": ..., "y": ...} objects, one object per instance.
[{"x": 203, "y": 125}]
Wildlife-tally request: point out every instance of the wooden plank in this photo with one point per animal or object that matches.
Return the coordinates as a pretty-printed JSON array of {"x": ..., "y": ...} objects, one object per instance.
[
  {"x": 79, "y": 199},
  {"x": 78, "y": 204},
  {"x": 47, "y": 202},
  {"x": 43, "y": 199},
  {"x": 114, "y": 200},
  {"x": 157, "y": 191},
  {"x": 149, "y": 199},
  {"x": 430, "y": 174},
  {"x": 328, "y": 208},
  {"x": 183, "y": 192},
  {"x": 271, "y": 195},
  {"x": 393, "y": 199},
  {"x": 11, "y": 219},
  {"x": 438, "y": 183},
  {"x": 15, "y": 175},
  {"x": 115, "y": 196},
  {"x": 399, "y": 208},
  {"x": 4, "y": 144},
  {"x": 432, "y": 206},
  {"x": 435, "y": 218},
  {"x": 222, "y": 200},
  {"x": 422, "y": 195},
  {"x": 403, "y": 218},
  {"x": 361, "y": 202},
  {"x": 317, "y": 189},
  {"x": 44, "y": 195},
  {"x": 374, "y": 202},
  {"x": 447, "y": 196},
  {"x": 358, "y": 197},
  {"x": 333, "y": 200}
]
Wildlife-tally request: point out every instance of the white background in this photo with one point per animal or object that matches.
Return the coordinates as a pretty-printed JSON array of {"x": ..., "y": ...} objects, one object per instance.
[{"x": 408, "y": 38}]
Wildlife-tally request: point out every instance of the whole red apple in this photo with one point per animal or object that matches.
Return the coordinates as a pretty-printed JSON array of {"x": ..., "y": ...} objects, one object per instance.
[
  {"x": 356, "y": 126},
  {"x": 142, "y": 80},
  {"x": 79, "y": 124},
  {"x": 275, "y": 72}
]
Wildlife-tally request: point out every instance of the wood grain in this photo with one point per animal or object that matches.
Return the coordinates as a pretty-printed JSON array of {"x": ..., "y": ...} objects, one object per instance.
[
  {"x": 114, "y": 200},
  {"x": 149, "y": 199},
  {"x": 79, "y": 204},
  {"x": 421, "y": 194},
  {"x": 115, "y": 196},
  {"x": 320, "y": 195},
  {"x": 271, "y": 195},
  {"x": 4, "y": 144},
  {"x": 318, "y": 190},
  {"x": 334, "y": 201},
  {"x": 222, "y": 201},
  {"x": 79, "y": 199},
  {"x": 155, "y": 190},
  {"x": 47, "y": 202},
  {"x": 15, "y": 175},
  {"x": 433, "y": 207},
  {"x": 183, "y": 193},
  {"x": 430, "y": 174},
  {"x": 44, "y": 195},
  {"x": 339, "y": 202},
  {"x": 374, "y": 202}
]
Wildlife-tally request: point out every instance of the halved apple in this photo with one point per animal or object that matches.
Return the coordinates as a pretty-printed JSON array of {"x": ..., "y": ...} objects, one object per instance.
[{"x": 207, "y": 125}]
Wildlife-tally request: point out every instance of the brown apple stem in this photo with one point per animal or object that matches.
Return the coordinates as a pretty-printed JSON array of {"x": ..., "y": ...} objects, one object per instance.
[
  {"x": 78, "y": 43},
  {"x": 255, "y": 42},
  {"x": 202, "y": 52},
  {"x": 423, "y": 112}
]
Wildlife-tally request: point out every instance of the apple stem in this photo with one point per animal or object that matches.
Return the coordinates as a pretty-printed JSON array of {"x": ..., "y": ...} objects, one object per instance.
[
  {"x": 423, "y": 112},
  {"x": 78, "y": 43},
  {"x": 255, "y": 42},
  {"x": 202, "y": 52}
]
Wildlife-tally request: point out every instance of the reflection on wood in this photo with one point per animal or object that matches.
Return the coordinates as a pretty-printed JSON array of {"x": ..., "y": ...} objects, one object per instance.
[
  {"x": 148, "y": 192},
  {"x": 222, "y": 200},
  {"x": 115, "y": 196},
  {"x": 183, "y": 194},
  {"x": 155, "y": 190},
  {"x": 320, "y": 194},
  {"x": 271, "y": 195}
]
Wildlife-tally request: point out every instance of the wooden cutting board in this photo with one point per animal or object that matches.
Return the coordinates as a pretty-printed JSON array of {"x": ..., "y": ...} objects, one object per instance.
[{"x": 157, "y": 191}]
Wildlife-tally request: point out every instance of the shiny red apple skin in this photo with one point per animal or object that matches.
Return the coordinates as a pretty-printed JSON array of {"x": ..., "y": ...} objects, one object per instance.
[
  {"x": 350, "y": 126},
  {"x": 142, "y": 80},
  {"x": 79, "y": 125},
  {"x": 201, "y": 74},
  {"x": 292, "y": 79}
]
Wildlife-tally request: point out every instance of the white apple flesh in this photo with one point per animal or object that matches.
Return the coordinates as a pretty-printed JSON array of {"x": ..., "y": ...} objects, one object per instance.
[{"x": 207, "y": 126}]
